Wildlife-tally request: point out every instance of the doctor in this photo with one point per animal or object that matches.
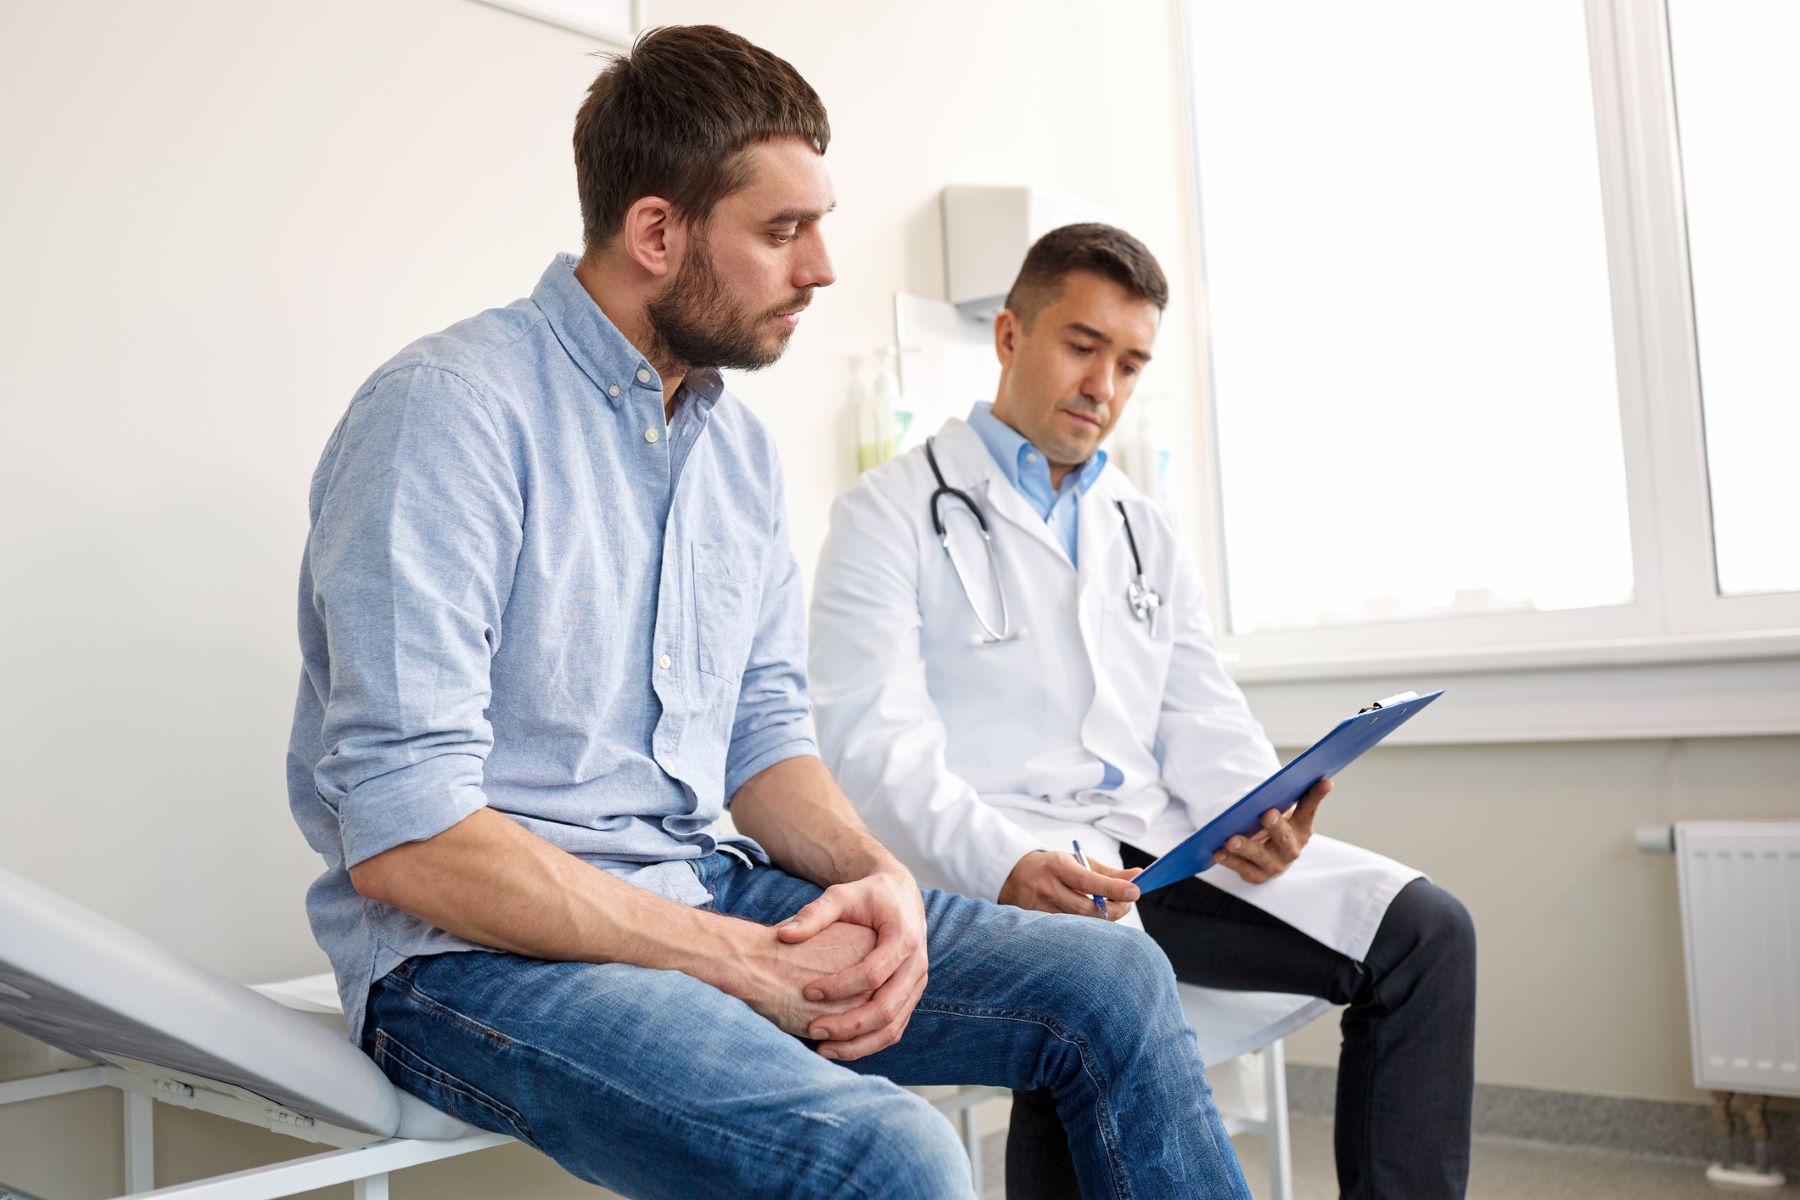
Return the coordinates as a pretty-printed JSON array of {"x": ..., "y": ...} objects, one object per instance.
[{"x": 1010, "y": 652}]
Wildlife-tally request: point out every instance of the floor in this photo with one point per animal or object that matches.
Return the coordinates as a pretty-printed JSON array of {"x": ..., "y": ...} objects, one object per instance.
[{"x": 1502, "y": 1169}]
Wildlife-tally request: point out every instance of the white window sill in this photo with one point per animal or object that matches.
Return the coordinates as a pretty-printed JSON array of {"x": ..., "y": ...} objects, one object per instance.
[{"x": 1728, "y": 685}]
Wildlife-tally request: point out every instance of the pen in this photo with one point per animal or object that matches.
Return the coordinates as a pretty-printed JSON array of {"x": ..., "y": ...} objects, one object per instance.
[{"x": 1099, "y": 901}]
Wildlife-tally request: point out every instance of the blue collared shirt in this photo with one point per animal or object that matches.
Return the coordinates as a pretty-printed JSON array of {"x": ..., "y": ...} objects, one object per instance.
[
  {"x": 1025, "y": 465},
  {"x": 522, "y": 590}
]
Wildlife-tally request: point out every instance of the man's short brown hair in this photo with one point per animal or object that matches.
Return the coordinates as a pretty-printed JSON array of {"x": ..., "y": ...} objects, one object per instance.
[
  {"x": 1100, "y": 249},
  {"x": 673, "y": 118}
]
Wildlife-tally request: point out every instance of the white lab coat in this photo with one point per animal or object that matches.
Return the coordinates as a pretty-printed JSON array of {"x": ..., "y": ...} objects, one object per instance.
[{"x": 964, "y": 757}]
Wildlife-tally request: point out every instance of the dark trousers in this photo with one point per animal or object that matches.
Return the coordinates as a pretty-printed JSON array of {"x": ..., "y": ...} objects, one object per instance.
[{"x": 1406, "y": 1073}]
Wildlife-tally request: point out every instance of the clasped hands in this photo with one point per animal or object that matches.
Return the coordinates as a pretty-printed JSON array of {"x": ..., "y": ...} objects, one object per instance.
[{"x": 847, "y": 969}]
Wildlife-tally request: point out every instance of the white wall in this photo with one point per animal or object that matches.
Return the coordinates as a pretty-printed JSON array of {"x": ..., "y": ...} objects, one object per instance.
[{"x": 220, "y": 217}]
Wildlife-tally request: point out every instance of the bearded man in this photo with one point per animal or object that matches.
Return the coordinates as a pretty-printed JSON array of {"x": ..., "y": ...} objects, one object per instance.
[{"x": 552, "y": 627}]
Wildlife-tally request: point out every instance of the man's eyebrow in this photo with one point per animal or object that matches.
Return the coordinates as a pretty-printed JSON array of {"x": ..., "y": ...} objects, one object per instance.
[
  {"x": 1088, "y": 331},
  {"x": 799, "y": 216}
]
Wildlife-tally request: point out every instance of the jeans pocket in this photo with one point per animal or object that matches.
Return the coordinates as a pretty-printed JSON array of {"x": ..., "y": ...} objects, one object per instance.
[{"x": 414, "y": 1073}]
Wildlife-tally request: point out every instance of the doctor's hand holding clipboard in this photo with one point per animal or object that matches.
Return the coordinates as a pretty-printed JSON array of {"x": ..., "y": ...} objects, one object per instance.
[
  {"x": 1267, "y": 853},
  {"x": 1048, "y": 881},
  {"x": 1231, "y": 837}
]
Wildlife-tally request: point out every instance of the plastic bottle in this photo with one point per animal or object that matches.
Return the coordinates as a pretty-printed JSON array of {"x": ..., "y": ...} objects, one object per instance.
[{"x": 883, "y": 417}]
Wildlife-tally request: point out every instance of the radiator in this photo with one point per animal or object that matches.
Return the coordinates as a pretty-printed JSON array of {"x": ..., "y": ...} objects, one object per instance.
[{"x": 1740, "y": 921}]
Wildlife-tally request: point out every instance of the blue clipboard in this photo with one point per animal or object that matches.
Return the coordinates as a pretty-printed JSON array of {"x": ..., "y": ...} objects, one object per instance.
[{"x": 1322, "y": 760}]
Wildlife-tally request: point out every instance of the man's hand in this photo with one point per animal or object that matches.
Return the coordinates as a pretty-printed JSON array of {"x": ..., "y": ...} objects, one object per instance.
[
  {"x": 875, "y": 995},
  {"x": 1051, "y": 882},
  {"x": 1262, "y": 856},
  {"x": 775, "y": 973}
]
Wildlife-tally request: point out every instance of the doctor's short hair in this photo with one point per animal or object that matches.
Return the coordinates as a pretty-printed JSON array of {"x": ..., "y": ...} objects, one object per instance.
[
  {"x": 674, "y": 117},
  {"x": 1099, "y": 249}
]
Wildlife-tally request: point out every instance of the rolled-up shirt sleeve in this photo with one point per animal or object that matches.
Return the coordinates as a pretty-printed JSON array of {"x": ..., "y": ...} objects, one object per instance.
[
  {"x": 774, "y": 717},
  {"x": 411, "y": 561}
]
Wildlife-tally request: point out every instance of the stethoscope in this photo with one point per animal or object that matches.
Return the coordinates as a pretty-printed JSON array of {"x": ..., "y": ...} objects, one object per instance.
[{"x": 1143, "y": 599}]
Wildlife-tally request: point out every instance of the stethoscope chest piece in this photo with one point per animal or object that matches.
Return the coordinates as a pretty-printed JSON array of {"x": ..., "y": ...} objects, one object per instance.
[
  {"x": 1143, "y": 598},
  {"x": 1144, "y": 601}
]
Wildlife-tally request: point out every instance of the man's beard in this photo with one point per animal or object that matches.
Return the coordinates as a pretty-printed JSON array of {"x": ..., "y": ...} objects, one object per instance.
[{"x": 694, "y": 322}]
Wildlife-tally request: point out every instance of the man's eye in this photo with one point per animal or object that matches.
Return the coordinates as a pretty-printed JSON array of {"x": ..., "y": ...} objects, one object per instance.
[
  {"x": 1078, "y": 348},
  {"x": 1128, "y": 369},
  {"x": 783, "y": 237}
]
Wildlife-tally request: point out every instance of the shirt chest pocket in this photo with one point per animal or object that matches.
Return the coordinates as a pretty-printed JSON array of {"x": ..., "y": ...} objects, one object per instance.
[{"x": 725, "y": 596}]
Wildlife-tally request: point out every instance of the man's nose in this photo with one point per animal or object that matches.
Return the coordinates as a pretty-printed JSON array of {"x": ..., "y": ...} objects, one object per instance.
[
  {"x": 814, "y": 269},
  {"x": 1098, "y": 385}
]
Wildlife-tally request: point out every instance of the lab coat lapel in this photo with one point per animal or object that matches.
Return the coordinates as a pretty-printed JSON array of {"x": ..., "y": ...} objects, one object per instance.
[
  {"x": 1097, "y": 538},
  {"x": 964, "y": 457}
]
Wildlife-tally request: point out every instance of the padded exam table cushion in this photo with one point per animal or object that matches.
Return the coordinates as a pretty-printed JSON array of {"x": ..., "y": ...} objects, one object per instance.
[{"x": 97, "y": 990}]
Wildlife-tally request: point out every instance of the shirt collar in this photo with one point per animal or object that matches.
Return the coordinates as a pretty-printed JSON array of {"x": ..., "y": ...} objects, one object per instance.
[
  {"x": 1022, "y": 463},
  {"x": 605, "y": 355}
]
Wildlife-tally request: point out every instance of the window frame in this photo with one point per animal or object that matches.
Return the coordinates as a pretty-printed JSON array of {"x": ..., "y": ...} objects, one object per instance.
[{"x": 1680, "y": 660}]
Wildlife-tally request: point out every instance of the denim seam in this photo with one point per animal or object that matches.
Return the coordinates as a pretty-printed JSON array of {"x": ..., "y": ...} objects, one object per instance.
[
  {"x": 434, "y": 1005},
  {"x": 1108, "y": 1135},
  {"x": 724, "y": 1132},
  {"x": 453, "y": 1083}
]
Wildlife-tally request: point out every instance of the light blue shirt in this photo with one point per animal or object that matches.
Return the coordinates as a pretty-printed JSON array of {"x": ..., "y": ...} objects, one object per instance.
[
  {"x": 1025, "y": 465},
  {"x": 523, "y": 591}
]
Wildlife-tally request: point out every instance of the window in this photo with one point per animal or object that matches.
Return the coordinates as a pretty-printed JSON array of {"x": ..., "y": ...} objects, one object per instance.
[
  {"x": 1412, "y": 332},
  {"x": 1736, "y": 93},
  {"x": 1456, "y": 348}
]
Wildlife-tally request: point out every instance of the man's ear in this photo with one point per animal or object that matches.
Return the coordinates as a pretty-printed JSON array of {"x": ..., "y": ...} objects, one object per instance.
[
  {"x": 1007, "y": 332},
  {"x": 653, "y": 237}
]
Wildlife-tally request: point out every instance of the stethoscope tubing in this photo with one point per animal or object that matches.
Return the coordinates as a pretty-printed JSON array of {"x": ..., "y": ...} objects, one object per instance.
[
  {"x": 1005, "y": 632},
  {"x": 1144, "y": 599}
]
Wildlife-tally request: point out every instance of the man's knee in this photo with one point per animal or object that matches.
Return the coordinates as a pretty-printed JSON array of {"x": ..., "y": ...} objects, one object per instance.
[
  {"x": 904, "y": 1148},
  {"x": 1438, "y": 925},
  {"x": 1128, "y": 960},
  {"x": 1114, "y": 981},
  {"x": 1444, "y": 919}
]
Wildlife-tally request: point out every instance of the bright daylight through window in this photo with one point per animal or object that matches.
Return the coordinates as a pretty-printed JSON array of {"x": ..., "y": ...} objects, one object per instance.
[
  {"x": 1737, "y": 95},
  {"x": 1409, "y": 316}
]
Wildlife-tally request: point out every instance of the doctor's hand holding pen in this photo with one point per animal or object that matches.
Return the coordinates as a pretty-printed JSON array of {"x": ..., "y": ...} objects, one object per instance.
[{"x": 1059, "y": 882}]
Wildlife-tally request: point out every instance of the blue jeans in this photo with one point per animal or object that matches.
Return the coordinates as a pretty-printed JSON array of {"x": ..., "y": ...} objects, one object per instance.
[{"x": 652, "y": 1083}]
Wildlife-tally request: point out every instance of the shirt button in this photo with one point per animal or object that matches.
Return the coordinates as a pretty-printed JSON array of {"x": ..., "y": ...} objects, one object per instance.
[
  {"x": 643, "y": 375},
  {"x": 650, "y": 435},
  {"x": 664, "y": 662},
  {"x": 1031, "y": 458},
  {"x": 613, "y": 390}
]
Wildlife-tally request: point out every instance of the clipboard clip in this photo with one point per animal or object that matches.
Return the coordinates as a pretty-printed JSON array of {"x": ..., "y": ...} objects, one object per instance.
[{"x": 1384, "y": 702}]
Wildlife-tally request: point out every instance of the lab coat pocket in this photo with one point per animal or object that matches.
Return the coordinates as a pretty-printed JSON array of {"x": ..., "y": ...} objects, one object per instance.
[
  {"x": 724, "y": 609},
  {"x": 1137, "y": 649}
]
